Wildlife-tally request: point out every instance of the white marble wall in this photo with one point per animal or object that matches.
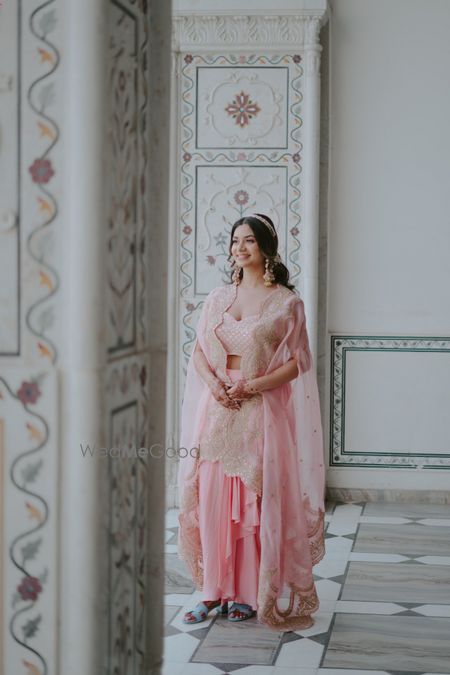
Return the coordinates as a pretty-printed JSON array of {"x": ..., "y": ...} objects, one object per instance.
[{"x": 387, "y": 321}]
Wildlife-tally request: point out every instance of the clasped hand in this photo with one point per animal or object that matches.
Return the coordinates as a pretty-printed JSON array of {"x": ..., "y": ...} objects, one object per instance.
[{"x": 230, "y": 395}]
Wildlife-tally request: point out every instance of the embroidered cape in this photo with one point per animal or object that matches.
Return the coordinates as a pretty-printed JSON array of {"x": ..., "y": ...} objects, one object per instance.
[{"x": 274, "y": 443}]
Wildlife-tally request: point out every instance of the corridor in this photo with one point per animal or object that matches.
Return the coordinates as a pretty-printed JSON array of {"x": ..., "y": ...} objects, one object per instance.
[{"x": 384, "y": 589}]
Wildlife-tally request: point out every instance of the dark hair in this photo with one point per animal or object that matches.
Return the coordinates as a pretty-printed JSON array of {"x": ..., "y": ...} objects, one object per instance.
[{"x": 268, "y": 245}]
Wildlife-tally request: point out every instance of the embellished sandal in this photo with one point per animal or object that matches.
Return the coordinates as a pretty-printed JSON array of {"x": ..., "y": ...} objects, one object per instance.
[
  {"x": 201, "y": 611},
  {"x": 240, "y": 612}
]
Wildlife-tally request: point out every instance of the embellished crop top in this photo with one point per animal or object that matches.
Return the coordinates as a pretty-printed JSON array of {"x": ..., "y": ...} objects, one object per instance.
[{"x": 235, "y": 335}]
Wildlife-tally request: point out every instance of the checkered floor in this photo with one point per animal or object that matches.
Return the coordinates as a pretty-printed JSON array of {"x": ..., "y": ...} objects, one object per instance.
[{"x": 384, "y": 589}]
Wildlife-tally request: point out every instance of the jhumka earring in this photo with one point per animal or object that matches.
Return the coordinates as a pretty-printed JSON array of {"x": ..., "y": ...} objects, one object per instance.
[
  {"x": 268, "y": 275},
  {"x": 236, "y": 276}
]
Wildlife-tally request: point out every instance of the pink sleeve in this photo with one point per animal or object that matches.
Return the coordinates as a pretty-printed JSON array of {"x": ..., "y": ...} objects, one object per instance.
[{"x": 298, "y": 341}]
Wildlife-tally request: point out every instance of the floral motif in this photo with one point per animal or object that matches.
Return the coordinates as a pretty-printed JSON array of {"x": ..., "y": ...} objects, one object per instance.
[
  {"x": 242, "y": 156},
  {"x": 242, "y": 109},
  {"x": 188, "y": 58},
  {"x": 296, "y": 157},
  {"x": 296, "y": 58},
  {"x": 187, "y": 229},
  {"x": 294, "y": 231},
  {"x": 187, "y": 157},
  {"x": 29, "y": 392},
  {"x": 41, "y": 171},
  {"x": 211, "y": 259},
  {"x": 241, "y": 197},
  {"x": 29, "y": 588},
  {"x": 190, "y": 307}
]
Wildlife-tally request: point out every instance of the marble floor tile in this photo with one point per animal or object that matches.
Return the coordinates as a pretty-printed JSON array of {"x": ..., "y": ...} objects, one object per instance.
[
  {"x": 172, "y": 668},
  {"x": 246, "y": 642},
  {"x": 327, "y": 589},
  {"x": 353, "y": 607},
  {"x": 338, "y": 547},
  {"x": 385, "y": 520},
  {"x": 305, "y": 652},
  {"x": 171, "y": 548},
  {"x": 345, "y": 671},
  {"x": 172, "y": 518},
  {"x": 406, "y": 643},
  {"x": 169, "y": 613},
  {"x": 179, "y": 648},
  {"x": 386, "y": 582},
  {"x": 409, "y": 539},
  {"x": 377, "y": 557},
  {"x": 254, "y": 670},
  {"x": 348, "y": 511},
  {"x": 181, "y": 598},
  {"x": 434, "y": 560},
  {"x": 434, "y": 610},
  {"x": 341, "y": 527},
  {"x": 177, "y": 577},
  {"x": 200, "y": 669},
  {"x": 443, "y": 522},
  {"x": 322, "y": 621},
  {"x": 405, "y": 510},
  {"x": 330, "y": 567}
]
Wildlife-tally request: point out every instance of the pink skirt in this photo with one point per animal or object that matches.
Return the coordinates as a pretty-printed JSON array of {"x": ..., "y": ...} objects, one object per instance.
[{"x": 229, "y": 517}]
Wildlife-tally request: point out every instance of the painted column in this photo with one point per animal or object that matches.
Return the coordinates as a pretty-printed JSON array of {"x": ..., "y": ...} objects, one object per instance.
[{"x": 310, "y": 239}]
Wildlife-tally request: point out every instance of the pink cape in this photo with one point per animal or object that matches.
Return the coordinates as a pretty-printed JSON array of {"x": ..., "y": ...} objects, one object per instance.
[{"x": 288, "y": 470}]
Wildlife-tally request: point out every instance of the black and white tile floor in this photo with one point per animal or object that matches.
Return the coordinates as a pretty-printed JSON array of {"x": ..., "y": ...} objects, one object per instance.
[{"x": 384, "y": 589}]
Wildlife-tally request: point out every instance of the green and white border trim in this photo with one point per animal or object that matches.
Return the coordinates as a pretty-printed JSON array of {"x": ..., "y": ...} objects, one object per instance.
[{"x": 339, "y": 455}]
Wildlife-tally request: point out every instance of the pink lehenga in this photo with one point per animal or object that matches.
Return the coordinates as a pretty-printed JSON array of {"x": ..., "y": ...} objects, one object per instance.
[{"x": 252, "y": 498}]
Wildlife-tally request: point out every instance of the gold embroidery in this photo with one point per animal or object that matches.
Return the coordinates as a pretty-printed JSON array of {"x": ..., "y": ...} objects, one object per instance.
[
  {"x": 235, "y": 437},
  {"x": 303, "y": 601}
]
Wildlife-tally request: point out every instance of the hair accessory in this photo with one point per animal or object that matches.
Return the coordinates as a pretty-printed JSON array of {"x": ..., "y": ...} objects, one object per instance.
[{"x": 266, "y": 223}]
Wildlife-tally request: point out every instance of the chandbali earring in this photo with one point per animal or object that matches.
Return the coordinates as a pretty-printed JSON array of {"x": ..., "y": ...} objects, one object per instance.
[
  {"x": 236, "y": 276},
  {"x": 268, "y": 275}
]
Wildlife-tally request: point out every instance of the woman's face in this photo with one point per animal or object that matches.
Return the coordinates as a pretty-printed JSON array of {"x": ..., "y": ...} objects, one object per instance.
[{"x": 244, "y": 247}]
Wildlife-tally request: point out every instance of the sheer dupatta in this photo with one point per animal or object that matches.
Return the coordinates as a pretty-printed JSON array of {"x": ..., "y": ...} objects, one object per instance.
[{"x": 293, "y": 475}]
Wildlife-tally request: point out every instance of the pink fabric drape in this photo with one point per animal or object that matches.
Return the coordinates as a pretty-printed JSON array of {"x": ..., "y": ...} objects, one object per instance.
[{"x": 284, "y": 465}]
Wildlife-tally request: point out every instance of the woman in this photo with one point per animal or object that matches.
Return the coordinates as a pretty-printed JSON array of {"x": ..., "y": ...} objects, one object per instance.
[{"x": 252, "y": 486}]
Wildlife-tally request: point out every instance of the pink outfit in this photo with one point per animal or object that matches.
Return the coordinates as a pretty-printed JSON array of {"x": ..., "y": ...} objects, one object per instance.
[
  {"x": 236, "y": 336},
  {"x": 229, "y": 515},
  {"x": 252, "y": 485}
]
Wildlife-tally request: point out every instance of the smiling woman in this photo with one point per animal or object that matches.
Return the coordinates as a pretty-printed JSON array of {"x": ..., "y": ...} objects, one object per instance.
[{"x": 252, "y": 501}]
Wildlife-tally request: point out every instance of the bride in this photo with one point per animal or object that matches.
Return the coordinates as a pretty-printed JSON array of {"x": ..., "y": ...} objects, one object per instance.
[{"x": 252, "y": 496}]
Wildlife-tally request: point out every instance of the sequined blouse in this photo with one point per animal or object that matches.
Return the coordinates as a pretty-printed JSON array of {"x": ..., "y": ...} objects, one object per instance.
[{"x": 236, "y": 336}]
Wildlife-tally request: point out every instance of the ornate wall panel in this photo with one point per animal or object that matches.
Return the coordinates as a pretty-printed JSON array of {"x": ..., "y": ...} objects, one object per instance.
[
  {"x": 30, "y": 186},
  {"x": 127, "y": 432},
  {"x": 383, "y": 410},
  {"x": 28, "y": 404},
  {"x": 40, "y": 181},
  {"x": 127, "y": 313},
  {"x": 127, "y": 415},
  {"x": 240, "y": 152},
  {"x": 30, "y": 192}
]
